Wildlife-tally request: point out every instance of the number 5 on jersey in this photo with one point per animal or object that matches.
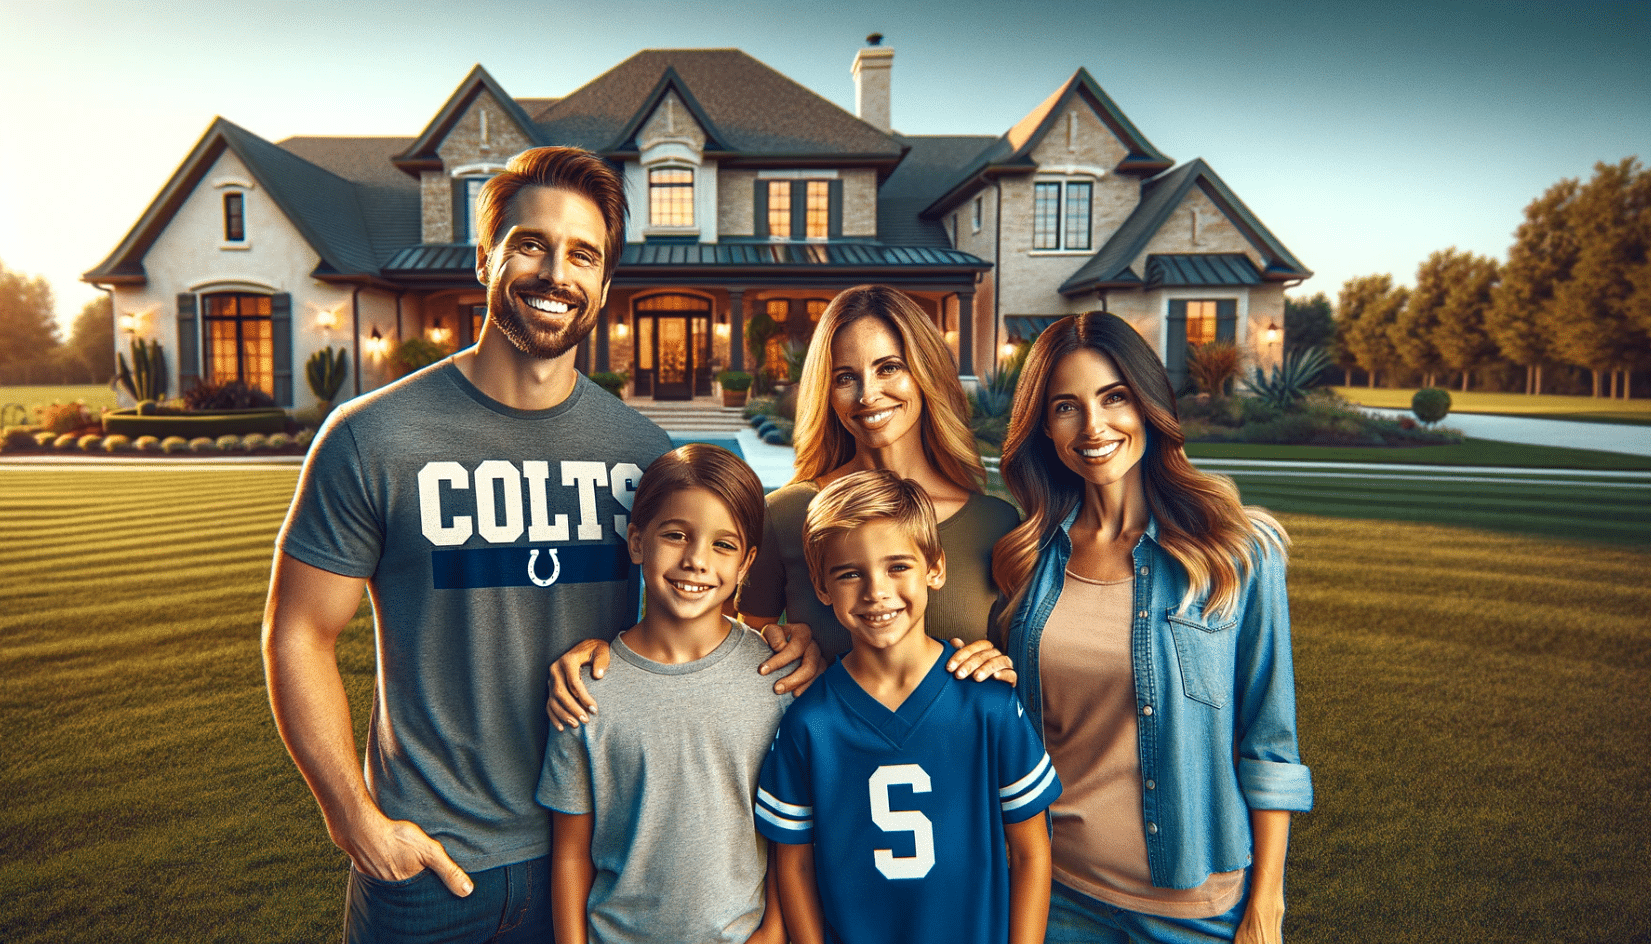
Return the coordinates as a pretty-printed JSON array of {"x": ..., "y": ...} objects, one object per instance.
[{"x": 902, "y": 821}]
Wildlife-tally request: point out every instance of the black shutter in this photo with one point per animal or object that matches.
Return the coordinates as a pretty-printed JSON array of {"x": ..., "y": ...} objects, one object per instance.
[
  {"x": 461, "y": 212},
  {"x": 1226, "y": 320},
  {"x": 280, "y": 330},
  {"x": 834, "y": 228},
  {"x": 189, "y": 345},
  {"x": 799, "y": 209},
  {"x": 759, "y": 209},
  {"x": 1175, "y": 345}
]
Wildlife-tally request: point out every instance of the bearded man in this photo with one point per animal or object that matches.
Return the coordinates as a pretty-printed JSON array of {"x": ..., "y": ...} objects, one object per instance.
[{"x": 482, "y": 502}]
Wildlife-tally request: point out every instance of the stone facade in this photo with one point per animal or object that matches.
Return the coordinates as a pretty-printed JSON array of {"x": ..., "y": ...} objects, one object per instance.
[
  {"x": 735, "y": 190},
  {"x": 482, "y": 140},
  {"x": 859, "y": 202}
]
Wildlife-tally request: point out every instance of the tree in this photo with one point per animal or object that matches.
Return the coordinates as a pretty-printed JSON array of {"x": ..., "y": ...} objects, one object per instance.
[
  {"x": 1543, "y": 252},
  {"x": 1308, "y": 323},
  {"x": 1414, "y": 330},
  {"x": 1460, "y": 336},
  {"x": 28, "y": 325},
  {"x": 1589, "y": 316},
  {"x": 1365, "y": 312},
  {"x": 89, "y": 356}
]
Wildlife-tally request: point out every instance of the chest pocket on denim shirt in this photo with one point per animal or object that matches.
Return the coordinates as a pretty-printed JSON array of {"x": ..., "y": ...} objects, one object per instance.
[{"x": 1206, "y": 651}]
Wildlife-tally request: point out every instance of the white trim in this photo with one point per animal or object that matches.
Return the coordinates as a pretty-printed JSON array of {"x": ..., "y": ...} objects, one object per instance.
[
  {"x": 822, "y": 173},
  {"x": 229, "y": 245},
  {"x": 482, "y": 169},
  {"x": 1070, "y": 170},
  {"x": 239, "y": 183},
  {"x": 1060, "y": 252},
  {"x": 234, "y": 283}
]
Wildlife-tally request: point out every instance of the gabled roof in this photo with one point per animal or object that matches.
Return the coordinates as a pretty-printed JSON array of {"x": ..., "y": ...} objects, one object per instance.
[
  {"x": 1110, "y": 266},
  {"x": 323, "y": 206},
  {"x": 421, "y": 155},
  {"x": 625, "y": 142},
  {"x": 928, "y": 168},
  {"x": 1012, "y": 153},
  {"x": 753, "y": 111}
]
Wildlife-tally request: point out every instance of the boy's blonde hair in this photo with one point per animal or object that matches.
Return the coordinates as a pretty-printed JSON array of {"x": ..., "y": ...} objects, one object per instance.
[{"x": 862, "y": 497}]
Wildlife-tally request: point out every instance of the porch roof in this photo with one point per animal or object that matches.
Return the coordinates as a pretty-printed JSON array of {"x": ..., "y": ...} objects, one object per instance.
[{"x": 1199, "y": 269}]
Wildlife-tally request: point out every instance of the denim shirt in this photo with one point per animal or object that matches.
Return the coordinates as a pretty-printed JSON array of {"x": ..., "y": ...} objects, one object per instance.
[{"x": 1215, "y": 705}]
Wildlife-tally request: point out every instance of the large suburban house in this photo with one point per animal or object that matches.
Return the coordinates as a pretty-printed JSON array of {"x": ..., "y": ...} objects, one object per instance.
[{"x": 749, "y": 194}]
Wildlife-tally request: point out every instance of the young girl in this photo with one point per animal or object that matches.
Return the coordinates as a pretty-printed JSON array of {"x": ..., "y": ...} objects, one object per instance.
[{"x": 654, "y": 838}]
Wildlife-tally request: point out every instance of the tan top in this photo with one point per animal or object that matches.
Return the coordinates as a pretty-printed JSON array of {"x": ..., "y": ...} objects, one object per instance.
[{"x": 1090, "y": 731}]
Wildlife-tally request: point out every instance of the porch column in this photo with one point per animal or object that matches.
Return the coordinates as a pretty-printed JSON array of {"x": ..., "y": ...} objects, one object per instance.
[
  {"x": 736, "y": 329},
  {"x": 966, "y": 334},
  {"x": 601, "y": 333}
]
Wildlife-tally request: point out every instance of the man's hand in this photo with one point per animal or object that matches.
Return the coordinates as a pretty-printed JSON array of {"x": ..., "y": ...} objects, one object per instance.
[
  {"x": 982, "y": 660},
  {"x": 394, "y": 850},
  {"x": 570, "y": 703},
  {"x": 792, "y": 642}
]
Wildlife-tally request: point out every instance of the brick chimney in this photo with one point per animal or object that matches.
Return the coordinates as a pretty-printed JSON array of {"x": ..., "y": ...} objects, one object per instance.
[{"x": 872, "y": 66}]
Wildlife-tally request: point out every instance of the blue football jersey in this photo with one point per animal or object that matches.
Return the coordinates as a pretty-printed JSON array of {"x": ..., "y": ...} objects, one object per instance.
[{"x": 906, "y": 808}]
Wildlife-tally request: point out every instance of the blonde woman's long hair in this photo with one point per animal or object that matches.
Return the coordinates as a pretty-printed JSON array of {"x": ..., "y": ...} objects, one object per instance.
[
  {"x": 1201, "y": 522},
  {"x": 823, "y": 444}
]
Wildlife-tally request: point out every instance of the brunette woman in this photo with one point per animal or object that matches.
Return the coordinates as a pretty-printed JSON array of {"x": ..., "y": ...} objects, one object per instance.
[{"x": 1148, "y": 619}]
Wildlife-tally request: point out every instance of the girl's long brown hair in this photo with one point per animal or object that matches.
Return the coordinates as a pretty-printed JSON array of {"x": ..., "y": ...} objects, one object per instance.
[
  {"x": 1201, "y": 522},
  {"x": 821, "y": 441}
]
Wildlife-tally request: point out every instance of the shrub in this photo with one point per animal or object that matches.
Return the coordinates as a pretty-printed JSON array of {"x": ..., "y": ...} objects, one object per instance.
[
  {"x": 203, "y": 444},
  {"x": 778, "y": 433},
  {"x": 1290, "y": 380},
  {"x": 117, "y": 443},
  {"x": 228, "y": 442},
  {"x": 65, "y": 417},
  {"x": 252, "y": 442},
  {"x": 734, "y": 380},
  {"x": 1211, "y": 366},
  {"x": 145, "y": 379},
  {"x": 304, "y": 437},
  {"x": 147, "y": 444},
  {"x": 45, "y": 439},
  {"x": 91, "y": 442},
  {"x": 234, "y": 395},
  {"x": 325, "y": 371},
  {"x": 174, "y": 444},
  {"x": 19, "y": 438},
  {"x": 417, "y": 353},
  {"x": 278, "y": 441},
  {"x": 1430, "y": 405},
  {"x": 611, "y": 381},
  {"x": 65, "y": 441}
]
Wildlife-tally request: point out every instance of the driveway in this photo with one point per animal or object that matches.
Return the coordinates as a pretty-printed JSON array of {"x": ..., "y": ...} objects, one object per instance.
[{"x": 1609, "y": 437}]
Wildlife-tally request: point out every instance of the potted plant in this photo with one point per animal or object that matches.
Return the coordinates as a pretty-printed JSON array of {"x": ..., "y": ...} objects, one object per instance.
[{"x": 735, "y": 384}]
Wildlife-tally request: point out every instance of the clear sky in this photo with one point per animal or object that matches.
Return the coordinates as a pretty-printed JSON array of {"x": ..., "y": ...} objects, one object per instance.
[{"x": 1365, "y": 135}]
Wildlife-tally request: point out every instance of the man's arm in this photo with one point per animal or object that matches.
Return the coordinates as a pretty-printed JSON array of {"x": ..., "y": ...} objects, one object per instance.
[
  {"x": 799, "y": 895},
  {"x": 571, "y": 875},
  {"x": 307, "y": 610},
  {"x": 1029, "y": 875}
]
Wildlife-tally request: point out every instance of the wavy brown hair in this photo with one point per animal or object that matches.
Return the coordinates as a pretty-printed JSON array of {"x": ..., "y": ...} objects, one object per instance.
[
  {"x": 1201, "y": 522},
  {"x": 821, "y": 441},
  {"x": 569, "y": 168}
]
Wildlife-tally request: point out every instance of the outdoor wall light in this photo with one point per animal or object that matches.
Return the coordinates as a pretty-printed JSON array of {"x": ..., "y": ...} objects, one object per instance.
[
  {"x": 326, "y": 319},
  {"x": 439, "y": 333},
  {"x": 1271, "y": 334},
  {"x": 129, "y": 323},
  {"x": 951, "y": 338},
  {"x": 723, "y": 331},
  {"x": 377, "y": 346},
  {"x": 1008, "y": 349}
]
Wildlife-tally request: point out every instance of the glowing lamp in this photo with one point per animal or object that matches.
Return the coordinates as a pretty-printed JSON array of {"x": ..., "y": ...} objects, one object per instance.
[
  {"x": 129, "y": 323},
  {"x": 326, "y": 319},
  {"x": 1271, "y": 334},
  {"x": 439, "y": 333},
  {"x": 723, "y": 331},
  {"x": 377, "y": 345}
]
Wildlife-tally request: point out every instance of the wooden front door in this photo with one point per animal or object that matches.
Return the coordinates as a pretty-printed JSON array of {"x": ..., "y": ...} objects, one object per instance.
[{"x": 673, "y": 357}]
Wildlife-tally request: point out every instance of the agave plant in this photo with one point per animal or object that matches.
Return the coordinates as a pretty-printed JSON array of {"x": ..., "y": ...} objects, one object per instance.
[{"x": 1290, "y": 380}]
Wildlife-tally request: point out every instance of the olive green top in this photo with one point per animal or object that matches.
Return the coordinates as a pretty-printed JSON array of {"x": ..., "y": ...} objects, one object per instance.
[{"x": 778, "y": 582}]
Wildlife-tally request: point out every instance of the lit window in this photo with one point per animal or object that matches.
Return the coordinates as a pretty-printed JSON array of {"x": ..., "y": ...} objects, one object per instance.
[
  {"x": 819, "y": 209},
  {"x": 815, "y": 308},
  {"x": 235, "y": 218},
  {"x": 471, "y": 188},
  {"x": 1051, "y": 209},
  {"x": 779, "y": 209},
  {"x": 979, "y": 211},
  {"x": 671, "y": 196},
  {"x": 240, "y": 340},
  {"x": 1200, "y": 322}
]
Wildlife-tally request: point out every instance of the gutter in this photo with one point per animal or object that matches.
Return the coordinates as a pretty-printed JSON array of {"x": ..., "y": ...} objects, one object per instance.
[{"x": 355, "y": 342}]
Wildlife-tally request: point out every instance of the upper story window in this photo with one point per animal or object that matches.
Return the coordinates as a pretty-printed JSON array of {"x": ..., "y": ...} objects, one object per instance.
[
  {"x": 671, "y": 196},
  {"x": 977, "y": 213},
  {"x": 470, "y": 188},
  {"x": 799, "y": 209},
  {"x": 1200, "y": 322},
  {"x": 1061, "y": 216},
  {"x": 235, "y": 230}
]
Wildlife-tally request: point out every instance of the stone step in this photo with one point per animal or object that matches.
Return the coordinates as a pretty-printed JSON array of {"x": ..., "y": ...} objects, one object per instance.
[{"x": 681, "y": 419}]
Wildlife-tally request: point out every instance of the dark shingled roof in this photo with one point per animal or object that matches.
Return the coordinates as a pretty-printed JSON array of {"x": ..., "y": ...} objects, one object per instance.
[
  {"x": 1012, "y": 153},
  {"x": 928, "y": 169},
  {"x": 421, "y": 154},
  {"x": 753, "y": 110},
  {"x": 389, "y": 198},
  {"x": 1159, "y": 198},
  {"x": 323, "y": 206}
]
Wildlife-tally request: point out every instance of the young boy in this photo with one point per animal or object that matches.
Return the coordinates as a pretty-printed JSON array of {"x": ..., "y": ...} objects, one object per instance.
[
  {"x": 654, "y": 839},
  {"x": 892, "y": 788}
]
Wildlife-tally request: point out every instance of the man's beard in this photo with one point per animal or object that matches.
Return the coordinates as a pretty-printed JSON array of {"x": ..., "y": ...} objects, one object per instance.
[{"x": 537, "y": 340}]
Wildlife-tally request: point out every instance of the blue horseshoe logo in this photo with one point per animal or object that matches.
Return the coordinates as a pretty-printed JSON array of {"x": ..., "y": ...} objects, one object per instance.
[{"x": 555, "y": 568}]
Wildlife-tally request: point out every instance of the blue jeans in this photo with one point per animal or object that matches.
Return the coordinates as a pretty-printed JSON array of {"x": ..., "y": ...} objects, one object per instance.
[
  {"x": 510, "y": 905},
  {"x": 1076, "y": 918}
]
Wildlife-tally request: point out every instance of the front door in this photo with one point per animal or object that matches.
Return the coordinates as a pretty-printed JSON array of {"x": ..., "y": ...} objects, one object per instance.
[{"x": 674, "y": 355}]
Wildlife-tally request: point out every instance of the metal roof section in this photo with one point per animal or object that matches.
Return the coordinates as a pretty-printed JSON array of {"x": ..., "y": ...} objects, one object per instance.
[
  {"x": 1110, "y": 266},
  {"x": 1199, "y": 269},
  {"x": 447, "y": 260},
  {"x": 421, "y": 155},
  {"x": 321, "y": 205},
  {"x": 1027, "y": 327},
  {"x": 1012, "y": 152}
]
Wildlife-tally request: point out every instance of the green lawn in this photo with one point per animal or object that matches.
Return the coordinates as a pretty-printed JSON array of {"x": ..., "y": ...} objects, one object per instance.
[
  {"x": 95, "y": 395},
  {"x": 1475, "y": 706},
  {"x": 1586, "y": 409},
  {"x": 1470, "y": 452}
]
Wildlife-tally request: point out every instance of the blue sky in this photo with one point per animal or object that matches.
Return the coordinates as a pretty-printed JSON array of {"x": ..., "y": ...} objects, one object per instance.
[{"x": 1365, "y": 135}]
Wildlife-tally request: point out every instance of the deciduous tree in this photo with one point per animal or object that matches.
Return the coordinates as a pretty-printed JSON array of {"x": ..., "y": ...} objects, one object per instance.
[
  {"x": 1365, "y": 313},
  {"x": 28, "y": 327},
  {"x": 89, "y": 356},
  {"x": 1414, "y": 331},
  {"x": 1543, "y": 252},
  {"x": 1590, "y": 314},
  {"x": 1460, "y": 336}
]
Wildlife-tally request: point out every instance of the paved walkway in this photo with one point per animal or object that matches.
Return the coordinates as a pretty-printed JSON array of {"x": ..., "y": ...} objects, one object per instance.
[{"x": 1533, "y": 431}]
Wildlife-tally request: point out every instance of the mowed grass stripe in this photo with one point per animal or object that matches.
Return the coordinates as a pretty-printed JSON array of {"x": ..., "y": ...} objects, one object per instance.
[
  {"x": 91, "y": 553},
  {"x": 202, "y": 512},
  {"x": 65, "y": 489}
]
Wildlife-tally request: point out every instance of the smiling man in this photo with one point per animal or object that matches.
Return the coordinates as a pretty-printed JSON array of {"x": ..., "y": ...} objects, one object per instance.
[{"x": 482, "y": 502}]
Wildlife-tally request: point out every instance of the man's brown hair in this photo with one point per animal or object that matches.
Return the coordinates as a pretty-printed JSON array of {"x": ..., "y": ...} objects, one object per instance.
[{"x": 569, "y": 168}]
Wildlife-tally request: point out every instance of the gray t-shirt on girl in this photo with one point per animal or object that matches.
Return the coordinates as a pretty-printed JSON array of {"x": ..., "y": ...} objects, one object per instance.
[
  {"x": 492, "y": 539},
  {"x": 668, "y": 769}
]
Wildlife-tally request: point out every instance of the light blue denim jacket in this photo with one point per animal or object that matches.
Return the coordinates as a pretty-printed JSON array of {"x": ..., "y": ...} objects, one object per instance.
[{"x": 1208, "y": 692}]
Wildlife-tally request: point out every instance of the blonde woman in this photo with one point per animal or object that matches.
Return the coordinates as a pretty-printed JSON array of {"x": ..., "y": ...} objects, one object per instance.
[{"x": 1147, "y": 615}]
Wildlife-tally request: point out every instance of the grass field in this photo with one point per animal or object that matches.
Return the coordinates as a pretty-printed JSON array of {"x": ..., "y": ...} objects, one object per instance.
[
  {"x": 1595, "y": 409},
  {"x": 95, "y": 395},
  {"x": 1475, "y": 707},
  {"x": 1471, "y": 452}
]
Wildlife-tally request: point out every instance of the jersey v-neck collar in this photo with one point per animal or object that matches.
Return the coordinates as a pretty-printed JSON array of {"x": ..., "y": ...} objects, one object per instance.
[{"x": 894, "y": 726}]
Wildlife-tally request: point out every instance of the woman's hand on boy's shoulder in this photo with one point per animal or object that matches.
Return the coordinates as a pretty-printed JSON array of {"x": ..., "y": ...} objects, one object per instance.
[
  {"x": 570, "y": 703},
  {"x": 981, "y": 660},
  {"x": 793, "y": 643}
]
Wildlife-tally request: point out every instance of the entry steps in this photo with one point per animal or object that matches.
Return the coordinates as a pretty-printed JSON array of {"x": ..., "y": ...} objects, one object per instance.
[{"x": 702, "y": 415}]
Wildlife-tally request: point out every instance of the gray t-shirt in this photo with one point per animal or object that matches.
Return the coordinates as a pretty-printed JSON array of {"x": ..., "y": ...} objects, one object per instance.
[
  {"x": 668, "y": 768},
  {"x": 492, "y": 540}
]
